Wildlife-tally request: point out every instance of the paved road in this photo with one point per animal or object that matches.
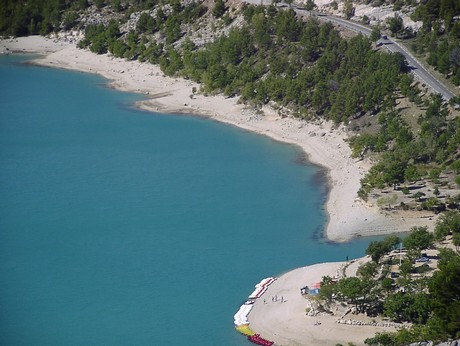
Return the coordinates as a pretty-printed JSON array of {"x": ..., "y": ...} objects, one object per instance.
[{"x": 392, "y": 46}]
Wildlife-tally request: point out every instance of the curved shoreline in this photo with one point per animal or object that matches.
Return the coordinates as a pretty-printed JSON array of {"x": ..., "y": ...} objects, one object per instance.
[
  {"x": 286, "y": 320},
  {"x": 323, "y": 142}
]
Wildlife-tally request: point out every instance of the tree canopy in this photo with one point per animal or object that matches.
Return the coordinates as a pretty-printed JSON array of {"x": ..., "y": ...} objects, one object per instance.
[
  {"x": 376, "y": 249},
  {"x": 418, "y": 239}
]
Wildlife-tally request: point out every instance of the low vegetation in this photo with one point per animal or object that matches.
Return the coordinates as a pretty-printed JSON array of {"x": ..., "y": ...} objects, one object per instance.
[
  {"x": 425, "y": 150},
  {"x": 412, "y": 281}
]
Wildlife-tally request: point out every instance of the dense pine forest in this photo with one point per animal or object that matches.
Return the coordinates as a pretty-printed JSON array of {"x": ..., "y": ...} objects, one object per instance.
[{"x": 439, "y": 38}]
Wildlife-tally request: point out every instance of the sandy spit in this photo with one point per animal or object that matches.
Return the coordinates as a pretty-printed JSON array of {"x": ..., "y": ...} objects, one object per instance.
[{"x": 286, "y": 322}]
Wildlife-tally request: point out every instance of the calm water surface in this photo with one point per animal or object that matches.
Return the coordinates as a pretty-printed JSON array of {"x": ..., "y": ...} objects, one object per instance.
[{"x": 122, "y": 227}]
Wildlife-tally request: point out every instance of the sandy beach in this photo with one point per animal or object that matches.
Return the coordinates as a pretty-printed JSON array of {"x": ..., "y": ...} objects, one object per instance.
[
  {"x": 285, "y": 321},
  {"x": 324, "y": 144}
]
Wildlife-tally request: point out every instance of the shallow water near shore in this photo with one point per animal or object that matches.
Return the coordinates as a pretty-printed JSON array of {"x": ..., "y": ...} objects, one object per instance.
[{"x": 123, "y": 227}]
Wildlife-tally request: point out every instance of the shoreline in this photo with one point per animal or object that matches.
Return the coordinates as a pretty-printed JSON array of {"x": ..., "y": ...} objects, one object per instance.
[
  {"x": 324, "y": 145},
  {"x": 323, "y": 142},
  {"x": 286, "y": 317}
]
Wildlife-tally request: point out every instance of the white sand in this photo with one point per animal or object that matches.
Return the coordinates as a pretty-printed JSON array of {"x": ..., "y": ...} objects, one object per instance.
[
  {"x": 286, "y": 323},
  {"x": 31, "y": 44}
]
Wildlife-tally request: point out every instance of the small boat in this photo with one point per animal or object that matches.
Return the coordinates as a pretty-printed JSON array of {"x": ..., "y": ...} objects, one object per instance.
[{"x": 258, "y": 340}]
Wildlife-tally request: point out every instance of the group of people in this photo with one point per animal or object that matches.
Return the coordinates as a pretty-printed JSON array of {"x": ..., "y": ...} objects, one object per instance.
[{"x": 275, "y": 299}]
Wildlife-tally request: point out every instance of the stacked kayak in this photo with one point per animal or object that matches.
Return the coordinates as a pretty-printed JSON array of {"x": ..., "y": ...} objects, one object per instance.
[
  {"x": 241, "y": 317},
  {"x": 244, "y": 329},
  {"x": 258, "y": 340},
  {"x": 261, "y": 287}
]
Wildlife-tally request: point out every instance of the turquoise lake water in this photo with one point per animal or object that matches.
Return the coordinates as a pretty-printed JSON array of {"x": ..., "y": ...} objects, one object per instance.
[{"x": 123, "y": 227}]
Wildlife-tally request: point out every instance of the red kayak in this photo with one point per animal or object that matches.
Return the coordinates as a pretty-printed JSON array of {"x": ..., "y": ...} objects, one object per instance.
[{"x": 258, "y": 340}]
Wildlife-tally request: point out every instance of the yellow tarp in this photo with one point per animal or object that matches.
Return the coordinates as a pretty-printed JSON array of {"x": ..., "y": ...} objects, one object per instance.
[{"x": 244, "y": 329}]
